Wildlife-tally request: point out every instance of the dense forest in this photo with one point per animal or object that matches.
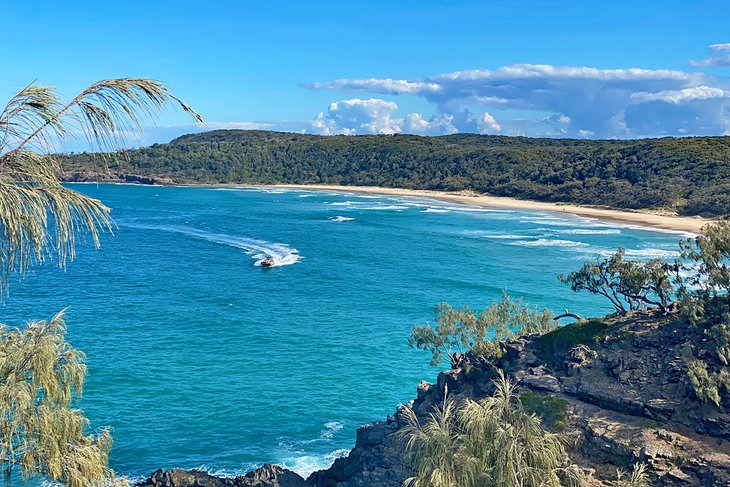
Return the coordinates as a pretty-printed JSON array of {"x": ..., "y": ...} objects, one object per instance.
[{"x": 690, "y": 176}]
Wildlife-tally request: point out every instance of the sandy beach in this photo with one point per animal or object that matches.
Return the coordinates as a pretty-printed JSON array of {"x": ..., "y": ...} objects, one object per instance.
[{"x": 643, "y": 218}]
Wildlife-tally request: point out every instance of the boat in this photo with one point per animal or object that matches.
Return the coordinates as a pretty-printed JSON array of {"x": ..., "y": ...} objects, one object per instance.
[{"x": 267, "y": 262}]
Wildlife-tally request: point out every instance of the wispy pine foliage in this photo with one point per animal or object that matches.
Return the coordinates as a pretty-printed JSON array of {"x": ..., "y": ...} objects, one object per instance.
[
  {"x": 41, "y": 375},
  {"x": 39, "y": 217},
  {"x": 490, "y": 443},
  {"x": 639, "y": 477},
  {"x": 481, "y": 333}
]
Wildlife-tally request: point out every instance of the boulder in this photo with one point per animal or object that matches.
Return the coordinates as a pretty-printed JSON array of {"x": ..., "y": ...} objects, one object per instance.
[{"x": 265, "y": 476}]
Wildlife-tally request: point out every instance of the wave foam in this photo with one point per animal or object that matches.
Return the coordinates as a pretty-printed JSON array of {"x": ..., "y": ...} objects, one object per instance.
[
  {"x": 644, "y": 254},
  {"x": 435, "y": 210},
  {"x": 546, "y": 242},
  {"x": 330, "y": 429},
  {"x": 305, "y": 465},
  {"x": 588, "y": 231},
  {"x": 340, "y": 218},
  {"x": 493, "y": 235},
  {"x": 281, "y": 254},
  {"x": 384, "y": 207}
]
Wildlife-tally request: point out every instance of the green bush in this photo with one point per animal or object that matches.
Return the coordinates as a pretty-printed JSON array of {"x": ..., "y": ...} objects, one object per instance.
[
  {"x": 480, "y": 334},
  {"x": 552, "y": 410},
  {"x": 494, "y": 442}
]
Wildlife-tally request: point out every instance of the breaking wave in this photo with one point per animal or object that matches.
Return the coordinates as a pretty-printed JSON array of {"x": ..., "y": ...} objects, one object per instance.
[
  {"x": 546, "y": 242},
  {"x": 588, "y": 231},
  {"x": 435, "y": 210},
  {"x": 340, "y": 218},
  {"x": 305, "y": 465}
]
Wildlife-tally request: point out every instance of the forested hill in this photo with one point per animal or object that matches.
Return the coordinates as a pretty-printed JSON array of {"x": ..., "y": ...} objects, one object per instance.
[{"x": 688, "y": 175}]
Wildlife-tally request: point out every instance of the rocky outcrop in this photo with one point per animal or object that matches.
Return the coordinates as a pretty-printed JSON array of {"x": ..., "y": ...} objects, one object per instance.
[
  {"x": 622, "y": 394},
  {"x": 266, "y": 476},
  {"x": 111, "y": 177}
]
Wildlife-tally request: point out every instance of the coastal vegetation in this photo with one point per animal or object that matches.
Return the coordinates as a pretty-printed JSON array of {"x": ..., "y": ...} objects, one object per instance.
[
  {"x": 465, "y": 335},
  {"x": 689, "y": 176},
  {"x": 699, "y": 279},
  {"x": 473, "y": 442},
  {"x": 627, "y": 284},
  {"x": 490, "y": 442},
  {"x": 41, "y": 374}
]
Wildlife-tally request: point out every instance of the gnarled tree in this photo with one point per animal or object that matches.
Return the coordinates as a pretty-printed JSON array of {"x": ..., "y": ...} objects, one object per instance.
[
  {"x": 41, "y": 375},
  {"x": 627, "y": 284},
  {"x": 711, "y": 251}
]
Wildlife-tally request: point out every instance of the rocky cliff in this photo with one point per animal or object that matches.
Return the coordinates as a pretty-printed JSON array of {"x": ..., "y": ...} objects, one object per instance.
[{"x": 615, "y": 387}]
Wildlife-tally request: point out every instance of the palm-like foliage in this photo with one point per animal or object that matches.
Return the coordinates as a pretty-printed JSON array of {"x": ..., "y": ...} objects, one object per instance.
[
  {"x": 639, "y": 477},
  {"x": 40, "y": 373},
  {"x": 489, "y": 443},
  {"x": 435, "y": 449},
  {"x": 38, "y": 216}
]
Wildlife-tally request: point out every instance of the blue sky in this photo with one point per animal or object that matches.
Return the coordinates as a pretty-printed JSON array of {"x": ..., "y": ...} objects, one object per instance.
[{"x": 503, "y": 67}]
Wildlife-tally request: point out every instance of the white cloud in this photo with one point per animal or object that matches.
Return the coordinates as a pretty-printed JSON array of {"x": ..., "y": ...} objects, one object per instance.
[
  {"x": 566, "y": 100},
  {"x": 681, "y": 96},
  {"x": 385, "y": 86},
  {"x": 487, "y": 124},
  {"x": 722, "y": 61},
  {"x": 356, "y": 116},
  {"x": 437, "y": 125}
]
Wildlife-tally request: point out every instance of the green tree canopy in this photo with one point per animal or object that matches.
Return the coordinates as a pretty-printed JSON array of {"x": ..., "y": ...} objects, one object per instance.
[{"x": 480, "y": 333}]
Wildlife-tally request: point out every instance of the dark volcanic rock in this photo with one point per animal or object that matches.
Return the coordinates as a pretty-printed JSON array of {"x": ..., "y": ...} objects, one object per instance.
[
  {"x": 271, "y": 476},
  {"x": 266, "y": 476},
  {"x": 185, "y": 478}
]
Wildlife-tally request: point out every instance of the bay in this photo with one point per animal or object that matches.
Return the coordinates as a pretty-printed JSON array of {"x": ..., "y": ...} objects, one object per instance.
[{"x": 200, "y": 358}]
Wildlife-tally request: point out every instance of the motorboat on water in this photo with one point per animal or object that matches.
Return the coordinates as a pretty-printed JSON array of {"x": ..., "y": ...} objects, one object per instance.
[{"x": 267, "y": 262}]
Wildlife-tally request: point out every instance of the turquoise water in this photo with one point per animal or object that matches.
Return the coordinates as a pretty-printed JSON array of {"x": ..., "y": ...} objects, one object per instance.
[{"x": 199, "y": 358}]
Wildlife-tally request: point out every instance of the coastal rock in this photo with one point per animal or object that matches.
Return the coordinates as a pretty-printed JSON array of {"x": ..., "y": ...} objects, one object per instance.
[
  {"x": 542, "y": 382},
  {"x": 625, "y": 401},
  {"x": 185, "y": 478},
  {"x": 270, "y": 476},
  {"x": 265, "y": 476},
  {"x": 109, "y": 177}
]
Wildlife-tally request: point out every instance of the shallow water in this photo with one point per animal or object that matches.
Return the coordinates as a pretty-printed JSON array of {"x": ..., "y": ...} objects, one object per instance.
[{"x": 199, "y": 358}]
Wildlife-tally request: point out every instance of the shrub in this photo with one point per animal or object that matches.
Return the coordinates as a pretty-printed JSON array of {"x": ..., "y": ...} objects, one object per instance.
[
  {"x": 706, "y": 385},
  {"x": 481, "y": 334},
  {"x": 492, "y": 442},
  {"x": 639, "y": 477},
  {"x": 552, "y": 410}
]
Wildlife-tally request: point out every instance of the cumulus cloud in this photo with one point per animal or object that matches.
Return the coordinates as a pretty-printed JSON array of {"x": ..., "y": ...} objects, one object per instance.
[
  {"x": 721, "y": 60},
  {"x": 487, "y": 124},
  {"x": 566, "y": 100},
  {"x": 356, "y": 116},
  {"x": 437, "y": 125}
]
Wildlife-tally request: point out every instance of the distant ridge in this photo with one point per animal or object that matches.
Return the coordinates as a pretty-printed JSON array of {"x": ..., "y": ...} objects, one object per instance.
[{"x": 689, "y": 176}]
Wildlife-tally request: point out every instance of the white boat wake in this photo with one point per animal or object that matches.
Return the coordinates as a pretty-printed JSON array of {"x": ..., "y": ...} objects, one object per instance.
[{"x": 281, "y": 254}]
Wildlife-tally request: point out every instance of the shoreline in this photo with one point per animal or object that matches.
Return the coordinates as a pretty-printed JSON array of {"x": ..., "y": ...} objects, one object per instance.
[{"x": 641, "y": 218}]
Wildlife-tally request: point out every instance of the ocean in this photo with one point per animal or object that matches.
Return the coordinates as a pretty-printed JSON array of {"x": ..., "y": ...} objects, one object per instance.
[{"x": 200, "y": 358}]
